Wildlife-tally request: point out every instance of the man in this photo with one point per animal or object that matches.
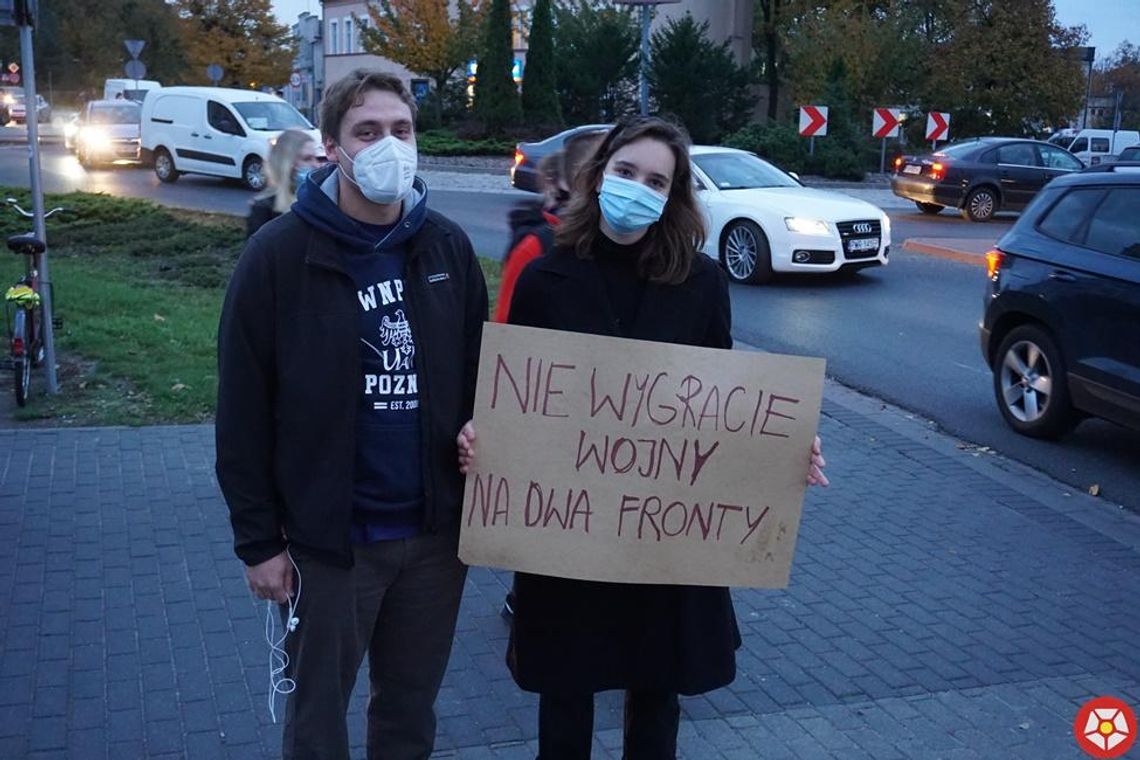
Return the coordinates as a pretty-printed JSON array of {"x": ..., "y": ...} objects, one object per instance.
[{"x": 347, "y": 354}]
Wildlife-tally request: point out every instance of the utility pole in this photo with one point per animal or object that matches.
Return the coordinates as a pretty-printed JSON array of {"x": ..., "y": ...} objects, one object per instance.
[{"x": 23, "y": 13}]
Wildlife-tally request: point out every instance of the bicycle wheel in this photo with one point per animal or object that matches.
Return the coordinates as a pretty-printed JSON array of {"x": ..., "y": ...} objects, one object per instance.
[{"x": 21, "y": 358}]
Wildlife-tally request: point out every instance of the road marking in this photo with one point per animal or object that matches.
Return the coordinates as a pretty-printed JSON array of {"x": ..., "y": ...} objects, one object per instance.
[{"x": 972, "y": 369}]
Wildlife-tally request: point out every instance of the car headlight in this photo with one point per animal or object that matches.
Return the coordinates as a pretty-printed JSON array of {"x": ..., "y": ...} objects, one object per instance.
[
  {"x": 9, "y": 100},
  {"x": 886, "y": 226},
  {"x": 95, "y": 138},
  {"x": 807, "y": 226}
]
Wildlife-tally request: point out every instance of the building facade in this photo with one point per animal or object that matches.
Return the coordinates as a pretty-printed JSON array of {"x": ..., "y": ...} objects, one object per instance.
[{"x": 307, "y": 81}]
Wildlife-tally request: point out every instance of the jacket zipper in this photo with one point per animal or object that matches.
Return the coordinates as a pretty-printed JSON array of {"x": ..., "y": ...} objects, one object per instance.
[{"x": 411, "y": 290}]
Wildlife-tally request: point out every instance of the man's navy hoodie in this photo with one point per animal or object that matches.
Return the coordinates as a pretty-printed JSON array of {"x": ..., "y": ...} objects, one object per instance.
[{"x": 388, "y": 488}]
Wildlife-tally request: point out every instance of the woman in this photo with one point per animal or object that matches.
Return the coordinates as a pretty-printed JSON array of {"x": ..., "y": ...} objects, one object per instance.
[
  {"x": 291, "y": 159},
  {"x": 625, "y": 264}
]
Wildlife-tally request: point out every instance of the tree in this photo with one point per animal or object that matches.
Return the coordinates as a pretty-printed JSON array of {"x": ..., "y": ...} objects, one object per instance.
[
  {"x": 79, "y": 44},
  {"x": 1120, "y": 73},
  {"x": 540, "y": 80},
  {"x": 697, "y": 80},
  {"x": 496, "y": 96},
  {"x": 424, "y": 37},
  {"x": 1003, "y": 71},
  {"x": 597, "y": 61},
  {"x": 241, "y": 36}
]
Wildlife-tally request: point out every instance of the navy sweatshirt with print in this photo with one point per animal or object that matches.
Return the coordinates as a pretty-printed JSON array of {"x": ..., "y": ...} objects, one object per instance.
[{"x": 388, "y": 489}]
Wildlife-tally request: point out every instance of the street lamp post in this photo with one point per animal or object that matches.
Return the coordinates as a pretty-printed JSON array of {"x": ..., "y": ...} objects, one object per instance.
[{"x": 646, "y": 18}]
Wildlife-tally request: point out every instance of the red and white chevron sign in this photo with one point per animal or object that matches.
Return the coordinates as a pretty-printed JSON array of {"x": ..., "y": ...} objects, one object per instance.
[
  {"x": 813, "y": 121},
  {"x": 885, "y": 122},
  {"x": 937, "y": 126}
]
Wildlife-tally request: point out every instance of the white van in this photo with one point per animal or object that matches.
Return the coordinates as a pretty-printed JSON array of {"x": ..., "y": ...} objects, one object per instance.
[
  {"x": 215, "y": 130},
  {"x": 1094, "y": 146},
  {"x": 129, "y": 89}
]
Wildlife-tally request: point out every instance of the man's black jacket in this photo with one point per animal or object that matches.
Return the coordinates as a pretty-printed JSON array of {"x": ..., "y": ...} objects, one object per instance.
[{"x": 289, "y": 383}]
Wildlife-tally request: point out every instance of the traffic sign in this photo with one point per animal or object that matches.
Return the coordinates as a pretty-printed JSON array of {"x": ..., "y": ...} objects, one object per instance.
[
  {"x": 885, "y": 122},
  {"x": 13, "y": 67},
  {"x": 14, "y": 78},
  {"x": 214, "y": 73},
  {"x": 295, "y": 79},
  {"x": 134, "y": 47},
  {"x": 813, "y": 121},
  {"x": 135, "y": 69},
  {"x": 937, "y": 126}
]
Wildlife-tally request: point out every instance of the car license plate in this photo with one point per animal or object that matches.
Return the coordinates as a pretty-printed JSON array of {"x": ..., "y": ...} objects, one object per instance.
[
  {"x": 912, "y": 169},
  {"x": 863, "y": 244}
]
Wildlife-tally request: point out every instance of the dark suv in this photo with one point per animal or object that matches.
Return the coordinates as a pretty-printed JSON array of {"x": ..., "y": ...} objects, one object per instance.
[{"x": 1061, "y": 330}]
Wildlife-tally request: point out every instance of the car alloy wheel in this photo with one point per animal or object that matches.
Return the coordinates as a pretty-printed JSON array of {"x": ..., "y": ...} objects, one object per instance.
[
  {"x": 745, "y": 253},
  {"x": 981, "y": 205},
  {"x": 164, "y": 166},
  {"x": 253, "y": 174},
  {"x": 1030, "y": 385}
]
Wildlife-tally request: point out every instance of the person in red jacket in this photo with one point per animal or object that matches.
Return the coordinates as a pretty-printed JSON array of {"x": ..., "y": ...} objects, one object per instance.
[{"x": 532, "y": 226}]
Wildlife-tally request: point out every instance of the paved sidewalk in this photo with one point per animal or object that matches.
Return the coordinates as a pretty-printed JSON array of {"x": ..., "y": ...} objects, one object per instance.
[{"x": 944, "y": 603}]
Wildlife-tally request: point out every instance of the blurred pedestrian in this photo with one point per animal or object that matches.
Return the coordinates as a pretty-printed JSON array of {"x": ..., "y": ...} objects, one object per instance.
[{"x": 291, "y": 159}]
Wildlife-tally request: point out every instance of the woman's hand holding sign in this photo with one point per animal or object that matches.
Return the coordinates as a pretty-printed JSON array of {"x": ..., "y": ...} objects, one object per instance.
[
  {"x": 466, "y": 442},
  {"x": 815, "y": 476}
]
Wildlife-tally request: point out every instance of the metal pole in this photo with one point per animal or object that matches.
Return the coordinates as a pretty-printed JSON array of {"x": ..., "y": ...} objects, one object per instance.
[
  {"x": 883, "y": 158},
  {"x": 645, "y": 60},
  {"x": 41, "y": 262},
  {"x": 811, "y": 145},
  {"x": 1088, "y": 93}
]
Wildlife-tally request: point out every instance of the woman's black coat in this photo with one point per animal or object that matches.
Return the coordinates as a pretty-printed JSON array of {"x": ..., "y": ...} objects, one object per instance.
[{"x": 576, "y": 637}]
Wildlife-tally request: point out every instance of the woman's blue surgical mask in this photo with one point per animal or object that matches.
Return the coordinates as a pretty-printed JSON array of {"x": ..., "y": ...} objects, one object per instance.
[
  {"x": 629, "y": 206},
  {"x": 301, "y": 173}
]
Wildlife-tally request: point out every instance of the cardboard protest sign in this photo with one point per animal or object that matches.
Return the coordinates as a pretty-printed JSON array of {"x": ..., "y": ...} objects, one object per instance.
[{"x": 618, "y": 460}]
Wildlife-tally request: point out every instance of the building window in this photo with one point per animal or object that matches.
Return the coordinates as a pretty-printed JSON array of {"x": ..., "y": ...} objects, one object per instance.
[
  {"x": 333, "y": 38},
  {"x": 348, "y": 40}
]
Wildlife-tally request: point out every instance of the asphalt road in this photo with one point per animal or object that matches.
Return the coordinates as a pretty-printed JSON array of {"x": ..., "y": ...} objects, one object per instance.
[{"x": 906, "y": 333}]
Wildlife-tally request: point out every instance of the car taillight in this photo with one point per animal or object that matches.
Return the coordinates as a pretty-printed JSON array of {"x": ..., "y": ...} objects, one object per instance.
[
  {"x": 994, "y": 260},
  {"x": 898, "y": 164},
  {"x": 937, "y": 170},
  {"x": 519, "y": 157}
]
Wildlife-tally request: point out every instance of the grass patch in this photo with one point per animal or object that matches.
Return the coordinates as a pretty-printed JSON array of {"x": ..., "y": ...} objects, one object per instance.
[{"x": 139, "y": 288}]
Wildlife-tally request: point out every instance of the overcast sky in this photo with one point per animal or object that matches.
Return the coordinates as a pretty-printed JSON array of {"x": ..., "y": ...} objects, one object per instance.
[{"x": 1109, "y": 22}]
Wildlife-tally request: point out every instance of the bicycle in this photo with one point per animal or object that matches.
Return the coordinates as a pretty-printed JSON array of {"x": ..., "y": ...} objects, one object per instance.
[{"x": 25, "y": 325}]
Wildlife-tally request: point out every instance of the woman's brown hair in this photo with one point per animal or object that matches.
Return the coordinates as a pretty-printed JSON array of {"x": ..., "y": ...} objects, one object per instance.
[{"x": 672, "y": 242}]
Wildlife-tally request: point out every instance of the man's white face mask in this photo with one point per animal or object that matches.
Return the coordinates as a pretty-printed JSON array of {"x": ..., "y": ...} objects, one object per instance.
[{"x": 384, "y": 171}]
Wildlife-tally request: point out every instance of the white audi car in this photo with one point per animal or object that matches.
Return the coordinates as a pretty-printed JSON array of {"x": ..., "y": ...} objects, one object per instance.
[{"x": 763, "y": 220}]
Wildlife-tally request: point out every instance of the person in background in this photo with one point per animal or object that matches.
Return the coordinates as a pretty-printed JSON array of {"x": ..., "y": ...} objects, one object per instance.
[
  {"x": 626, "y": 263},
  {"x": 291, "y": 159},
  {"x": 532, "y": 228}
]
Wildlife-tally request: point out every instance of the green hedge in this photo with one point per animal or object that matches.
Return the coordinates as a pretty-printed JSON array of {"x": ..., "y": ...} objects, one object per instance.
[
  {"x": 443, "y": 142},
  {"x": 781, "y": 144}
]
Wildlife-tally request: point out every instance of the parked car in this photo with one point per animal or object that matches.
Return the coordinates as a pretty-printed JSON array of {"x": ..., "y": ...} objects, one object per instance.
[
  {"x": 128, "y": 89},
  {"x": 215, "y": 130},
  {"x": 1061, "y": 302},
  {"x": 981, "y": 177},
  {"x": 18, "y": 111},
  {"x": 524, "y": 171},
  {"x": 1129, "y": 154},
  {"x": 762, "y": 220},
  {"x": 108, "y": 130}
]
